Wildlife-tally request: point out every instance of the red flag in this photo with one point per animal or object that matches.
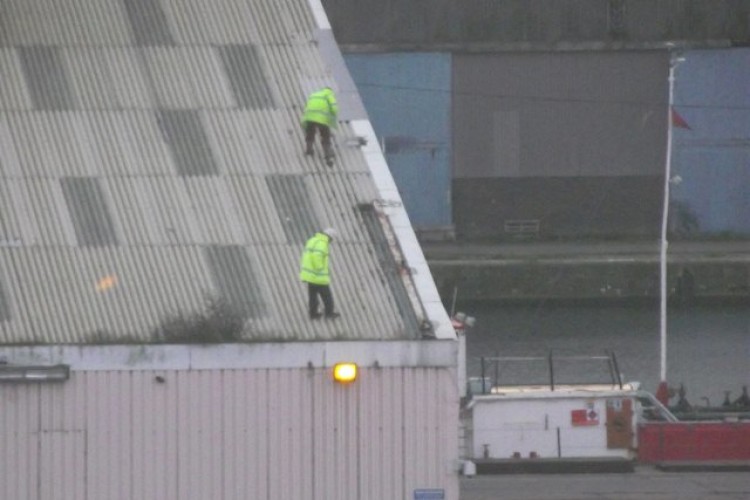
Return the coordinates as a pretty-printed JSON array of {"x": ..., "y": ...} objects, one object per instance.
[{"x": 678, "y": 121}]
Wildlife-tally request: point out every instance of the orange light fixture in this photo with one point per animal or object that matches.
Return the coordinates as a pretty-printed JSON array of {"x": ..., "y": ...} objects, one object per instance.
[{"x": 345, "y": 373}]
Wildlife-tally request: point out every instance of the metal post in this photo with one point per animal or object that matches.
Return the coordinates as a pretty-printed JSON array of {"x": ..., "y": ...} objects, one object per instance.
[
  {"x": 496, "y": 380},
  {"x": 673, "y": 62},
  {"x": 551, "y": 372},
  {"x": 617, "y": 370},
  {"x": 484, "y": 390}
]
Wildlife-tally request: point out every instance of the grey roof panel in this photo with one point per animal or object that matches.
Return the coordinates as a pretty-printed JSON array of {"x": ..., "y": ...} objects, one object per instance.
[
  {"x": 245, "y": 72},
  {"x": 13, "y": 92},
  {"x": 89, "y": 211},
  {"x": 5, "y": 312},
  {"x": 46, "y": 78},
  {"x": 296, "y": 214},
  {"x": 184, "y": 133},
  {"x": 148, "y": 21},
  {"x": 235, "y": 277}
]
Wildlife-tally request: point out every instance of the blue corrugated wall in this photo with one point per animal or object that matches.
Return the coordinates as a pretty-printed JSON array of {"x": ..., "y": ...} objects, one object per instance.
[
  {"x": 712, "y": 158},
  {"x": 408, "y": 100}
]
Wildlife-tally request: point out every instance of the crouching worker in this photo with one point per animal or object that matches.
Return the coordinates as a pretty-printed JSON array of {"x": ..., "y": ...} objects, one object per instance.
[{"x": 321, "y": 114}]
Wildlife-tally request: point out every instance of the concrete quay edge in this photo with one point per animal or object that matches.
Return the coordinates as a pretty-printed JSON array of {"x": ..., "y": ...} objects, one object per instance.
[{"x": 645, "y": 251}]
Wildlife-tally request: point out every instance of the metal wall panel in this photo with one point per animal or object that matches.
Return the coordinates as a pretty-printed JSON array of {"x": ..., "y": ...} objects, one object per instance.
[
  {"x": 572, "y": 141},
  {"x": 711, "y": 159},
  {"x": 578, "y": 114},
  {"x": 230, "y": 435},
  {"x": 562, "y": 206},
  {"x": 408, "y": 98}
]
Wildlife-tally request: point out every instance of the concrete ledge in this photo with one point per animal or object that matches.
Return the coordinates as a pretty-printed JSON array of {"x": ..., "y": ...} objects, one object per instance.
[
  {"x": 553, "y": 465},
  {"x": 712, "y": 466},
  {"x": 594, "y": 273}
]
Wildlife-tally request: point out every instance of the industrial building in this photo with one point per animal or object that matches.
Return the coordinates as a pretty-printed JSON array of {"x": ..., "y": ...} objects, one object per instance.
[
  {"x": 547, "y": 120},
  {"x": 154, "y": 202}
]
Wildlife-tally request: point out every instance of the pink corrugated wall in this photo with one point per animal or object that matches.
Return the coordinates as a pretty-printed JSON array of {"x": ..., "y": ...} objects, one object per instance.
[{"x": 230, "y": 435}]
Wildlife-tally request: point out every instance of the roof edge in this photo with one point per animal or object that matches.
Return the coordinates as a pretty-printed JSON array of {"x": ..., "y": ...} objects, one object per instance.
[
  {"x": 319, "y": 13},
  {"x": 261, "y": 355},
  {"x": 393, "y": 207}
]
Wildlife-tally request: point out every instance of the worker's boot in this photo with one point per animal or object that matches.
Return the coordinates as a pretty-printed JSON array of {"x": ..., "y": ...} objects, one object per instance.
[{"x": 328, "y": 155}]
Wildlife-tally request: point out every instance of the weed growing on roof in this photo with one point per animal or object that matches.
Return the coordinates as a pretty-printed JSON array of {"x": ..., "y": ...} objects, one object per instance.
[
  {"x": 106, "y": 337},
  {"x": 220, "y": 322}
]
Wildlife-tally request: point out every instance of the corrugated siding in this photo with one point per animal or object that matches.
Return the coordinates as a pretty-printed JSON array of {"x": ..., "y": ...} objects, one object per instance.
[
  {"x": 563, "y": 206},
  {"x": 230, "y": 435},
  {"x": 712, "y": 158},
  {"x": 134, "y": 134},
  {"x": 559, "y": 114},
  {"x": 408, "y": 98},
  {"x": 574, "y": 141}
]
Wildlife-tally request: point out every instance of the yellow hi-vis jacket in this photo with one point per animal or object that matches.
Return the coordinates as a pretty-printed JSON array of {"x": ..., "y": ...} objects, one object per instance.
[
  {"x": 314, "y": 264},
  {"x": 321, "y": 108}
]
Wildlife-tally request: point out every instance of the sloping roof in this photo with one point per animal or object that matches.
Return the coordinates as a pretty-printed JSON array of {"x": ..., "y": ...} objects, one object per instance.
[{"x": 151, "y": 175}]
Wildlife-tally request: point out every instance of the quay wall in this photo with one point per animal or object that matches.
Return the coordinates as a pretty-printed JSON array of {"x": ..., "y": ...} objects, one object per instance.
[{"x": 607, "y": 279}]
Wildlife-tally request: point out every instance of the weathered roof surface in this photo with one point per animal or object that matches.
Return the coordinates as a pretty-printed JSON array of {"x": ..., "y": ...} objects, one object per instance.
[{"x": 152, "y": 177}]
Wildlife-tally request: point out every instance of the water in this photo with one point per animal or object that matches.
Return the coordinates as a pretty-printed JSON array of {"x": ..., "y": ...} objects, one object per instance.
[{"x": 708, "y": 348}]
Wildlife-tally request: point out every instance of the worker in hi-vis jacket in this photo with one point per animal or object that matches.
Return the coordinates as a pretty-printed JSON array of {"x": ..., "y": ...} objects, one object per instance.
[
  {"x": 321, "y": 113},
  {"x": 314, "y": 271}
]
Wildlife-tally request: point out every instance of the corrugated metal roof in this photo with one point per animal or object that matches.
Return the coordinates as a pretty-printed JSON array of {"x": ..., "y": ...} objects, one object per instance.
[{"x": 152, "y": 176}]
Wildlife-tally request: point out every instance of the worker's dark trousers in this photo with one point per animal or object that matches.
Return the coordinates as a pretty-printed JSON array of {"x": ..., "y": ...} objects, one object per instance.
[
  {"x": 325, "y": 138},
  {"x": 324, "y": 291}
]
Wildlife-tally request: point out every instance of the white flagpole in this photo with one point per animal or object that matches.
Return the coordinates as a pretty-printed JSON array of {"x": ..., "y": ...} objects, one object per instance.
[{"x": 673, "y": 62}]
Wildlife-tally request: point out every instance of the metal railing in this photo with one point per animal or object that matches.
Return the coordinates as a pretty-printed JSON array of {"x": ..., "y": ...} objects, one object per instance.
[{"x": 490, "y": 373}]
